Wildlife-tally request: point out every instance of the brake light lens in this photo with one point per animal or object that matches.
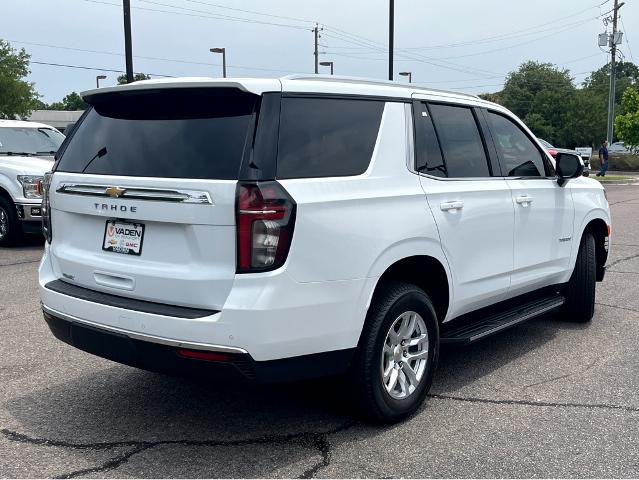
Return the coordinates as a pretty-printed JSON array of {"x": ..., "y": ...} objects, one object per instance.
[
  {"x": 552, "y": 152},
  {"x": 46, "y": 210},
  {"x": 265, "y": 215}
]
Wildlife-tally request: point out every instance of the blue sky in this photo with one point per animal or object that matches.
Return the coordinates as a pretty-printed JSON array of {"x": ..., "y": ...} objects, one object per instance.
[{"x": 460, "y": 44}]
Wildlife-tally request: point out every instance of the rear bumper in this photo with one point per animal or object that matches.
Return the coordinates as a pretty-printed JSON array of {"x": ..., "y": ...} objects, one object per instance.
[
  {"x": 270, "y": 316},
  {"x": 163, "y": 355}
]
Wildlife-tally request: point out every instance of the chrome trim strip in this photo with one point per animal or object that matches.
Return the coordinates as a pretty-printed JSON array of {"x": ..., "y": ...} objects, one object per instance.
[
  {"x": 144, "y": 337},
  {"x": 138, "y": 193},
  {"x": 258, "y": 212}
]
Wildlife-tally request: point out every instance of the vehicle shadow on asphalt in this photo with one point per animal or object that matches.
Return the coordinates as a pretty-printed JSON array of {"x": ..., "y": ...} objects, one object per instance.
[
  {"x": 460, "y": 366},
  {"x": 114, "y": 403}
]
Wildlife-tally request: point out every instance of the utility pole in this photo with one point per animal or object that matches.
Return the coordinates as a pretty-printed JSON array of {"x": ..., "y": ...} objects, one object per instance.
[
  {"x": 126, "y": 4},
  {"x": 316, "y": 53},
  {"x": 613, "y": 74},
  {"x": 391, "y": 36}
]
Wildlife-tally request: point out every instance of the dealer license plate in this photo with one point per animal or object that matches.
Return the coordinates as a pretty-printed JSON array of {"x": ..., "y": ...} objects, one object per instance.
[{"x": 123, "y": 237}]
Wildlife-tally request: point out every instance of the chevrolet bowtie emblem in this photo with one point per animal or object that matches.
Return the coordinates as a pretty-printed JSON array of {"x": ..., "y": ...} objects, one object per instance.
[{"x": 114, "y": 191}]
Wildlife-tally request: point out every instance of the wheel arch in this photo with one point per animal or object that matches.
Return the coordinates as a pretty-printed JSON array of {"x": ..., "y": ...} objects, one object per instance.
[
  {"x": 425, "y": 271},
  {"x": 599, "y": 230},
  {"x": 5, "y": 194}
]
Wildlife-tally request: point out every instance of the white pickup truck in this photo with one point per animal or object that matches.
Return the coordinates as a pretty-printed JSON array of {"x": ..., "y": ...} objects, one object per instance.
[{"x": 26, "y": 154}]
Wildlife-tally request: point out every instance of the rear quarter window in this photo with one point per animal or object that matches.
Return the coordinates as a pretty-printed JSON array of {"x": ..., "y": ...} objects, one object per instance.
[{"x": 326, "y": 137}]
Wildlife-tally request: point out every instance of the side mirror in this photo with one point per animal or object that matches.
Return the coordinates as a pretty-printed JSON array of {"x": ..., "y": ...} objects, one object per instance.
[{"x": 568, "y": 166}]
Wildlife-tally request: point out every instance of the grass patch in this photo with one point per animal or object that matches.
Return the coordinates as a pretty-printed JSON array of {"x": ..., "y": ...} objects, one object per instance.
[{"x": 614, "y": 178}]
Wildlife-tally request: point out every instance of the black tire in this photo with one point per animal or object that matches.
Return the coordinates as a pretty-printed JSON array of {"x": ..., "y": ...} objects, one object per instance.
[
  {"x": 372, "y": 399},
  {"x": 580, "y": 290},
  {"x": 13, "y": 231}
]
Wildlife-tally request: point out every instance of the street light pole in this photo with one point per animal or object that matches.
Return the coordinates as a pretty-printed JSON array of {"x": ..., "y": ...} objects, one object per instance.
[
  {"x": 327, "y": 64},
  {"x": 407, "y": 74},
  {"x": 391, "y": 36},
  {"x": 223, "y": 52},
  {"x": 128, "y": 52},
  {"x": 97, "y": 80}
]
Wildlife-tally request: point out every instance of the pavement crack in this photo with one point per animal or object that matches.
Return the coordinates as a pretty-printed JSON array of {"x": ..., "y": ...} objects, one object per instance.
[
  {"x": 537, "y": 403},
  {"x": 24, "y": 262},
  {"x": 623, "y": 259},
  {"x": 321, "y": 443},
  {"x": 617, "y": 306},
  {"x": 317, "y": 440},
  {"x": 623, "y": 201},
  {"x": 620, "y": 271},
  {"x": 110, "y": 464},
  {"x": 561, "y": 377}
]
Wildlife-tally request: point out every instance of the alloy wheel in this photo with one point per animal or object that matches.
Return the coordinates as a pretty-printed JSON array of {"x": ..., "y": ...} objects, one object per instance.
[{"x": 404, "y": 355}]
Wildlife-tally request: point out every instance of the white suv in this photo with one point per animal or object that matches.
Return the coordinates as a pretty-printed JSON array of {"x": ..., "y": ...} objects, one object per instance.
[{"x": 286, "y": 229}]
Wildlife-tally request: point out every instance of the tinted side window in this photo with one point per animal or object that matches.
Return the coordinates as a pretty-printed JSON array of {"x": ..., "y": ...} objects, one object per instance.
[
  {"x": 460, "y": 141},
  {"x": 322, "y": 137},
  {"x": 520, "y": 157},
  {"x": 428, "y": 156}
]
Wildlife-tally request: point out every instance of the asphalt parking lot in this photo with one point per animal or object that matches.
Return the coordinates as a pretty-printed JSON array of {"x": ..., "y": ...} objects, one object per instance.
[{"x": 546, "y": 399}]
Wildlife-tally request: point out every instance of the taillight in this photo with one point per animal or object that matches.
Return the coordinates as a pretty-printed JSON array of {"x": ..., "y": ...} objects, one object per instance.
[
  {"x": 46, "y": 210},
  {"x": 265, "y": 215},
  {"x": 552, "y": 152}
]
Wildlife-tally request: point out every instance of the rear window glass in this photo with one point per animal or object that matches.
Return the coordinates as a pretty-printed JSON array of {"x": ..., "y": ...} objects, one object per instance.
[
  {"x": 188, "y": 133},
  {"x": 323, "y": 137},
  {"x": 460, "y": 141}
]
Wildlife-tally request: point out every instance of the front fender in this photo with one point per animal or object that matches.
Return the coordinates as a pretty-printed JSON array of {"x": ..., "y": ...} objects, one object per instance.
[{"x": 11, "y": 186}]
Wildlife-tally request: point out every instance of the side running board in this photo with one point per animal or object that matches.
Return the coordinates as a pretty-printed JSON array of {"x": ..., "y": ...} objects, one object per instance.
[{"x": 484, "y": 327}]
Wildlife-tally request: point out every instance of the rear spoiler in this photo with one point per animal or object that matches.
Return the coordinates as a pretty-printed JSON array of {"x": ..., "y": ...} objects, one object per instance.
[{"x": 257, "y": 86}]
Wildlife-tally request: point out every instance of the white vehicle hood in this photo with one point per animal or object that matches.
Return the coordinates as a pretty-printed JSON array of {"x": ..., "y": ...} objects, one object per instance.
[{"x": 26, "y": 165}]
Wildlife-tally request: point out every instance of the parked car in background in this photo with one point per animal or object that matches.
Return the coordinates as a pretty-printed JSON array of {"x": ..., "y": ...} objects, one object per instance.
[
  {"x": 553, "y": 151},
  {"x": 585, "y": 152},
  {"x": 618, "y": 148},
  {"x": 26, "y": 154}
]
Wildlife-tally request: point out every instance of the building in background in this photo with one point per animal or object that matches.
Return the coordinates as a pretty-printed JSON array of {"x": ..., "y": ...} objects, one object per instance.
[{"x": 60, "y": 119}]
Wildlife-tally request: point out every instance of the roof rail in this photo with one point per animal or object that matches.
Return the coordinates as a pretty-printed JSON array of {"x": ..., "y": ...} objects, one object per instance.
[{"x": 371, "y": 81}]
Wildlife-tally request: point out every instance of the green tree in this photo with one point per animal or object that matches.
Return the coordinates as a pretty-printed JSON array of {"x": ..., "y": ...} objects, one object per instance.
[
  {"x": 627, "y": 125},
  {"x": 537, "y": 93},
  {"x": 17, "y": 96},
  {"x": 136, "y": 77},
  {"x": 72, "y": 101},
  {"x": 626, "y": 73},
  {"x": 533, "y": 85}
]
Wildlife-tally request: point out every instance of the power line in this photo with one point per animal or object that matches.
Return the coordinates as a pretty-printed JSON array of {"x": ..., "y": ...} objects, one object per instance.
[
  {"x": 208, "y": 14},
  {"x": 504, "y": 36},
  {"x": 104, "y": 52},
  {"x": 627, "y": 40},
  {"x": 484, "y": 52},
  {"x": 418, "y": 57},
  {"x": 222, "y": 17},
  {"x": 82, "y": 67},
  {"x": 283, "y": 17}
]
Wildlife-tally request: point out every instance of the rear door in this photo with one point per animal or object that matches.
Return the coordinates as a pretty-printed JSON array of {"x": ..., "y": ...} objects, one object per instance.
[
  {"x": 143, "y": 195},
  {"x": 544, "y": 211},
  {"x": 471, "y": 203}
]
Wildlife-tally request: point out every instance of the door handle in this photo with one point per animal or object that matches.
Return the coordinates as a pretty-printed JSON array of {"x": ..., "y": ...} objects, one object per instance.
[
  {"x": 524, "y": 200},
  {"x": 445, "y": 206}
]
